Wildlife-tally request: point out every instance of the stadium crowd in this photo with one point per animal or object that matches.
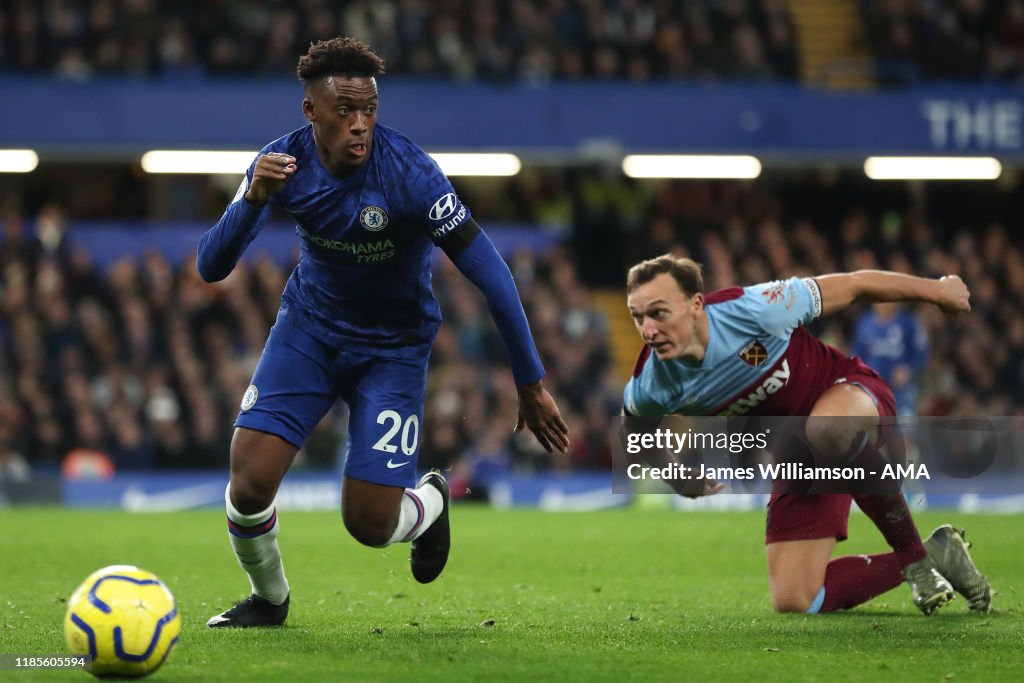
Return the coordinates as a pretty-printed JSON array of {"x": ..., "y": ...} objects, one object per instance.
[
  {"x": 501, "y": 40},
  {"x": 146, "y": 363},
  {"x": 531, "y": 41},
  {"x": 947, "y": 39}
]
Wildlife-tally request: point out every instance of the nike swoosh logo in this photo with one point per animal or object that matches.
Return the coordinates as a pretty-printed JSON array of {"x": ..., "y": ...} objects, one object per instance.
[{"x": 396, "y": 465}]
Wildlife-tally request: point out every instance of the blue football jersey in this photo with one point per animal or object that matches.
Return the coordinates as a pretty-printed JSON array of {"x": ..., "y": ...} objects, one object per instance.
[
  {"x": 363, "y": 277},
  {"x": 887, "y": 343},
  {"x": 759, "y": 359}
]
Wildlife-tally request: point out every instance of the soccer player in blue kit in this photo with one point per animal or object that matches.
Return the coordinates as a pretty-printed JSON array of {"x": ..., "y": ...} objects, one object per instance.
[
  {"x": 744, "y": 351},
  {"x": 357, "y": 320},
  {"x": 893, "y": 340}
]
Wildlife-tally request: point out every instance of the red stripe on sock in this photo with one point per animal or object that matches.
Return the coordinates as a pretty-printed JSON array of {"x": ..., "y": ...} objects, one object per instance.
[{"x": 256, "y": 529}]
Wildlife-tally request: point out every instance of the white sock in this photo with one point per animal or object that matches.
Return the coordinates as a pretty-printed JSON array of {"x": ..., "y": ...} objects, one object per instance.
[
  {"x": 254, "y": 538},
  {"x": 420, "y": 507}
]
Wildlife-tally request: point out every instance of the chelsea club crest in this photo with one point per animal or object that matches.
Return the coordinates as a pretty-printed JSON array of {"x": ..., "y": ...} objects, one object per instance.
[
  {"x": 373, "y": 218},
  {"x": 250, "y": 396}
]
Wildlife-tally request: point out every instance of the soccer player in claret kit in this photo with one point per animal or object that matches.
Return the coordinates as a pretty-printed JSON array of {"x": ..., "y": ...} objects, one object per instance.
[
  {"x": 357, "y": 320},
  {"x": 709, "y": 354}
]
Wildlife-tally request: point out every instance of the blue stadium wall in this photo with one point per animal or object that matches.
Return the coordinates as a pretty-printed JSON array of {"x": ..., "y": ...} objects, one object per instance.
[{"x": 125, "y": 117}]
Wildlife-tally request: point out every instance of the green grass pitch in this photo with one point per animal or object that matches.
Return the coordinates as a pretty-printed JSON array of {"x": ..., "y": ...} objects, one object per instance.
[{"x": 634, "y": 594}]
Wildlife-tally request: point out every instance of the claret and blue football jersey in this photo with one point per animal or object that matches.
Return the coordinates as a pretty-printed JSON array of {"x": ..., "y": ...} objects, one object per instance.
[{"x": 759, "y": 359}]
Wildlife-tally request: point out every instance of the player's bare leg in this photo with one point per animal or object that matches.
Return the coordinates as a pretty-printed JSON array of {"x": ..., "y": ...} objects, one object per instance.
[
  {"x": 259, "y": 462},
  {"x": 370, "y": 511},
  {"x": 844, "y": 420},
  {"x": 379, "y": 515},
  {"x": 796, "y": 572}
]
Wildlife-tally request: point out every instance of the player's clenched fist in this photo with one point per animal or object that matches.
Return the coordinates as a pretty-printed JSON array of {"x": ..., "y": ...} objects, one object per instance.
[
  {"x": 954, "y": 297},
  {"x": 271, "y": 173}
]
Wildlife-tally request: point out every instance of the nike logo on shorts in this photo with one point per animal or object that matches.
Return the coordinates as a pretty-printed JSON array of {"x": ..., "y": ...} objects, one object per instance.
[{"x": 396, "y": 465}]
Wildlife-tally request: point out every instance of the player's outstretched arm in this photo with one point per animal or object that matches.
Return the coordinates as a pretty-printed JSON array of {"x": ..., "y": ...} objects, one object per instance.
[
  {"x": 839, "y": 290},
  {"x": 479, "y": 261},
  {"x": 223, "y": 244}
]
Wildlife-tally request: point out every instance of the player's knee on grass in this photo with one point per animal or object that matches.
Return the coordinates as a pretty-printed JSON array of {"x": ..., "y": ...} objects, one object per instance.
[
  {"x": 796, "y": 572},
  {"x": 793, "y": 599}
]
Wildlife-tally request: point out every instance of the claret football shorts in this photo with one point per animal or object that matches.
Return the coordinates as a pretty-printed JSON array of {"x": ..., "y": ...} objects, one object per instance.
[
  {"x": 297, "y": 380},
  {"x": 796, "y": 517}
]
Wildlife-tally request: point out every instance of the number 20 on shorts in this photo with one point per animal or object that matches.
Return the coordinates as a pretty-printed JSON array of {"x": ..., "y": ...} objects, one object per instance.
[{"x": 410, "y": 429}]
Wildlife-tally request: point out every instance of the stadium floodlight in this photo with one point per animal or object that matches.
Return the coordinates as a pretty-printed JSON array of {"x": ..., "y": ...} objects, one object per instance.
[
  {"x": 932, "y": 168},
  {"x": 691, "y": 166},
  {"x": 234, "y": 163},
  {"x": 494, "y": 164},
  {"x": 201, "y": 162},
  {"x": 18, "y": 160}
]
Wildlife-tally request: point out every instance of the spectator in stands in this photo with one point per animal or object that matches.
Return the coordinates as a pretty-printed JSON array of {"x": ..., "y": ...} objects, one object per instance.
[{"x": 891, "y": 339}]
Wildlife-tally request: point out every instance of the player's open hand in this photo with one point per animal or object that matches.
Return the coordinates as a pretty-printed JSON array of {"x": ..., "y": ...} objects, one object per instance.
[
  {"x": 271, "y": 173},
  {"x": 954, "y": 297},
  {"x": 537, "y": 410}
]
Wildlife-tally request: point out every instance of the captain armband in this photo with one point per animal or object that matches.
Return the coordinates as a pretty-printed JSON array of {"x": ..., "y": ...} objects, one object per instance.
[{"x": 455, "y": 242}]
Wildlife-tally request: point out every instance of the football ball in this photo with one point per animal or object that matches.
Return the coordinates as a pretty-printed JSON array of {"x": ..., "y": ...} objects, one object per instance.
[{"x": 124, "y": 617}]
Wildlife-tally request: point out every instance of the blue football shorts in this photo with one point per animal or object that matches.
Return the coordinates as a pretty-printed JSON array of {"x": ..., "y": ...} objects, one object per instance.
[{"x": 298, "y": 379}]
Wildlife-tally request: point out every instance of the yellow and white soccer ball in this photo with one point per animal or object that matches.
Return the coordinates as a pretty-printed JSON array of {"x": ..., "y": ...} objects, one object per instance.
[{"x": 124, "y": 617}]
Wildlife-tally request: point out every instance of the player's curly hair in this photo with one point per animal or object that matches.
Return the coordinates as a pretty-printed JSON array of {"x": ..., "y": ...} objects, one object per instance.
[
  {"x": 688, "y": 273},
  {"x": 338, "y": 56}
]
